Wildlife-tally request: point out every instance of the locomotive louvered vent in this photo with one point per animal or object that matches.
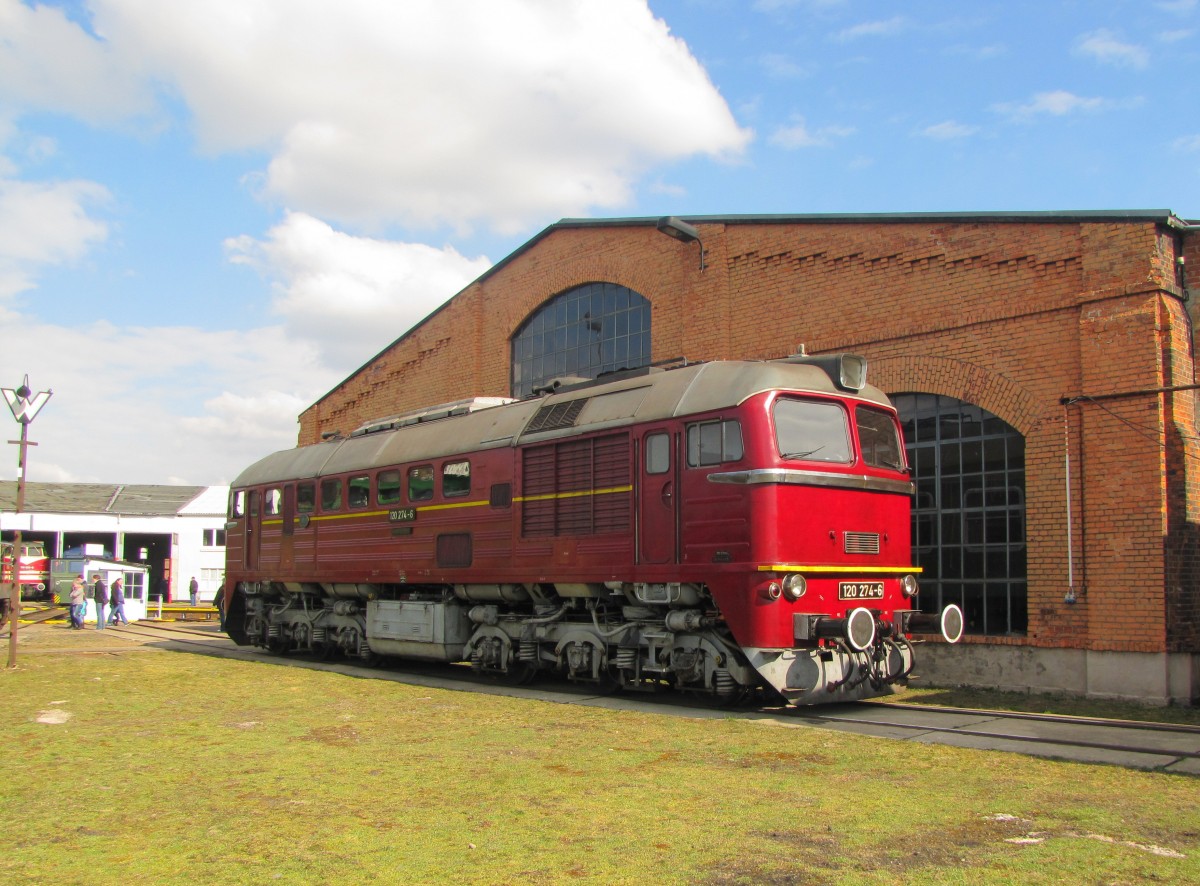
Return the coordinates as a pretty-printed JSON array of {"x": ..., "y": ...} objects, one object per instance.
[
  {"x": 862, "y": 543},
  {"x": 556, "y": 416}
]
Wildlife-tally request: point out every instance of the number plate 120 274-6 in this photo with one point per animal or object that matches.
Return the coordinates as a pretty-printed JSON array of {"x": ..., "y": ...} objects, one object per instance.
[{"x": 860, "y": 590}]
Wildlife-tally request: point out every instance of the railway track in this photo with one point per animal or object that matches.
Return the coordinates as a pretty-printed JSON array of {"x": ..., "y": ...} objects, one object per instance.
[{"x": 1173, "y": 748}]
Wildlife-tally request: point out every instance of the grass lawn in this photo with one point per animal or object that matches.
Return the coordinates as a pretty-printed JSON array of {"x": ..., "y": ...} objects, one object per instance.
[{"x": 142, "y": 766}]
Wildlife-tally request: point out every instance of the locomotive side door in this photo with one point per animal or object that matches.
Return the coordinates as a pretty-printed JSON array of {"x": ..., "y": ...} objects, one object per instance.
[
  {"x": 658, "y": 499},
  {"x": 253, "y": 527},
  {"x": 287, "y": 542}
]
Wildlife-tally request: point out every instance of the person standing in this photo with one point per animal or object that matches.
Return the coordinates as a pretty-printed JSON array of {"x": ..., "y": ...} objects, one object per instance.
[
  {"x": 194, "y": 589},
  {"x": 116, "y": 601},
  {"x": 100, "y": 593},
  {"x": 78, "y": 601}
]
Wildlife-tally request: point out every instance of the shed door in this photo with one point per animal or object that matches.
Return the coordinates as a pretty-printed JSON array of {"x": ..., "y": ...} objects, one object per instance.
[{"x": 658, "y": 499}]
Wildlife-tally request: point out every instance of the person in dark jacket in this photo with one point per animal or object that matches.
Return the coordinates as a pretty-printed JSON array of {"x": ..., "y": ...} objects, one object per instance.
[
  {"x": 116, "y": 600},
  {"x": 100, "y": 594}
]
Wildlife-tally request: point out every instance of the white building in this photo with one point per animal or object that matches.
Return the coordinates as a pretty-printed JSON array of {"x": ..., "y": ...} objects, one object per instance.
[{"x": 177, "y": 531}]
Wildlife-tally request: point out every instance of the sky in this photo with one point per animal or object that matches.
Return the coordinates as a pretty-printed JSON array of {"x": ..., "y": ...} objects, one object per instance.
[{"x": 212, "y": 213}]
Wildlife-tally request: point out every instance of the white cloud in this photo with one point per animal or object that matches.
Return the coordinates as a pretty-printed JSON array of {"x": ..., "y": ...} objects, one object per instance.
[
  {"x": 121, "y": 409},
  {"x": 1107, "y": 48},
  {"x": 430, "y": 114},
  {"x": 1186, "y": 143},
  {"x": 879, "y": 28},
  {"x": 48, "y": 62},
  {"x": 784, "y": 67},
  {"x": 42, "y": 224},
  {"x": 949, "y": 130},
  {"x": 351, "y": 296},
  {"x": 1058, "y": 103},
  {"x": 798, "y": 135}
]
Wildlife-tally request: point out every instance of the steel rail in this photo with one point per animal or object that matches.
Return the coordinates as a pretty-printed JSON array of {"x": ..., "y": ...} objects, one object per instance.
[{"x": 815, "y": 715}]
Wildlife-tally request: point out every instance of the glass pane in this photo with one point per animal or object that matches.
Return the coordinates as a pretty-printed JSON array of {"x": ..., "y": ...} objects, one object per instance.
[
  {"x": 306, "y": 498},
  {"x": 595, "y": 328},
  {"x": 456, "y": 478},
  {"x": 878, "y": 438},
  {"x": 360, "y": 491},
  {"x": 331, "y": 495},
  {"x": 658, "y": 453},
  {"x": 420, "y": 483},
  {"x": 812, "y": 430},
  {"x": 388, "y": 487}
]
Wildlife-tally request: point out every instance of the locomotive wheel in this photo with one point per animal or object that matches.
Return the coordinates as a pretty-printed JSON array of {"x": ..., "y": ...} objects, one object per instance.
[
  {"x": 519, "y": 673},
  {"x": 277, "y": 646}
]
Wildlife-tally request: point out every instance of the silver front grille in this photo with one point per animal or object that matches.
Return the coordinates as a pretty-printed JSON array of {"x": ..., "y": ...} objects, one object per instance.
[{"x": 861, "y": 543}]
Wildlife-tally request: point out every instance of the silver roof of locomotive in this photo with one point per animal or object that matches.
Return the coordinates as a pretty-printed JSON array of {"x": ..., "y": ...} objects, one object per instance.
[{"x": 659, "y": 395}]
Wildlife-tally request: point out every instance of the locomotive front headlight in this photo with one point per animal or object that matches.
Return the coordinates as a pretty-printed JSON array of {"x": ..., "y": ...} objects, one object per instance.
[
  {"x": 908, "y": 586},
  {"x": 794, "y": 586}
]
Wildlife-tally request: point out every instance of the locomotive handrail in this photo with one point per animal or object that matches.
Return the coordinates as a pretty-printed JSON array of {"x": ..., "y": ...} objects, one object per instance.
[{"x": 814, "y": 478}]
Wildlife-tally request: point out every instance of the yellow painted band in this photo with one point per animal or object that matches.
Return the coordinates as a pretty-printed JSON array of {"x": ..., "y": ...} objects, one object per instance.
[
  {"x": 576, "y": 494},
  {"x": 792, "y": 567},
  {"x": 462, "y": 504}
]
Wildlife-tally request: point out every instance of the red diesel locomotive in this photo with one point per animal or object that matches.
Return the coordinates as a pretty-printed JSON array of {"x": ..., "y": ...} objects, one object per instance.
[{"x": 714, "y": 527}]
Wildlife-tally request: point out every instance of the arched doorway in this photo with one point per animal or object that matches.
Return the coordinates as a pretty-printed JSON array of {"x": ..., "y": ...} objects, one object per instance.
[
  {"x": 585, "y": 331},
  {"x": 969, "y": 511}
]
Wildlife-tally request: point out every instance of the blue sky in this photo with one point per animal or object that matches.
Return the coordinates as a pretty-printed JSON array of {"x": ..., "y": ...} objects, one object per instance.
[{"x": 211, "y": 213}]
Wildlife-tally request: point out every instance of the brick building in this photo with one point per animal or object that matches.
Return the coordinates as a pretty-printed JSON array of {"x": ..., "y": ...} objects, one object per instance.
[{"x": 1043, "y": 364}]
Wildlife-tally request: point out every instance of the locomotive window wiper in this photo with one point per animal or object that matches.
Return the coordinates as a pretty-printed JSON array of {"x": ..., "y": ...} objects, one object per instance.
[
  {"x": 894, "y": 465},
  {"x": 803, "y": 454}
]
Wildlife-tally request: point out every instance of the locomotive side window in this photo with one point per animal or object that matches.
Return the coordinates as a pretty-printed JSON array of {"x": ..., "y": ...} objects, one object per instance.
[
  {"x": 713, "y": 442},
  {"x": 812, "y": 430},
  {"x": 387, "y": 487},
  {"x": 237, "y": 507},
  {"x": 658, "y": 453},
  {"x": 878, "y": 438},
  {"x": 306, "y": 498},
  {"x": 360, "y": 491},
  {"x": 253, "y": 502},
  {"x": 272, "y": 499},
  {"x": 420, "y": 483},
  {"x": 331, "y": 495},
  {"x": 456, "y": 478}
]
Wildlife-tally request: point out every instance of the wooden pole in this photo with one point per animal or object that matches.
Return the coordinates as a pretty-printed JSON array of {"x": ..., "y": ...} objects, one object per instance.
[
  {"x": 24, "y": 410},
  {"x": 14, "y": 594}
]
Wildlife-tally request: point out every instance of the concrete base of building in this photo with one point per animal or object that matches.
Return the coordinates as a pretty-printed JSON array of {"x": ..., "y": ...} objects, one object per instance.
[{"x": 1149, "y": 678}]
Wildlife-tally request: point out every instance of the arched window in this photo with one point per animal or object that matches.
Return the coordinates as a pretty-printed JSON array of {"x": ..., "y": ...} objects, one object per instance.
[
  {"x": 594, "y": 328},
  {"x": 969, "y": 511}
]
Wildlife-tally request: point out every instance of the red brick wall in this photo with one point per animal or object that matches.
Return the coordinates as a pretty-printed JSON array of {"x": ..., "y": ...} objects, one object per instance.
[{"x": 1013, "y": 316}]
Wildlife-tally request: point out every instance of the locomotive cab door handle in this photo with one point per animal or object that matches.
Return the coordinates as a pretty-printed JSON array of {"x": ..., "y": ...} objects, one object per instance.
[{"x": 666, "y": 494}]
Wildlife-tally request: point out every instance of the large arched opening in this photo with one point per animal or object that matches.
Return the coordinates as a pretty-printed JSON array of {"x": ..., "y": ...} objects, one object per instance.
[
  {"x": 969, "y": 511},
  {"x": 585, "y": 331}
]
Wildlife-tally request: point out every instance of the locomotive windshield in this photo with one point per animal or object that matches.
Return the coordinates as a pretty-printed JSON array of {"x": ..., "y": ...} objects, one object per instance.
[
  {"x": 812, "y": 430},
  {"x": 878, "y": 438}
]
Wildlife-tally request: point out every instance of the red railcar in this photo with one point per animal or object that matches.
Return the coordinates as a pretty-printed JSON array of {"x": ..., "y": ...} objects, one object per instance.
[
  {"x": 35, "y": 567},
  {"x": 715, "y": 527}
]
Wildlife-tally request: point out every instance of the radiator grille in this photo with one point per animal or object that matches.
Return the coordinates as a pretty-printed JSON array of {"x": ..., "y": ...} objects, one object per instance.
[
  {"x": 556, "y": 417},
  {"x": 861, "y": 543},
  {"x": 569, "y": 487}
]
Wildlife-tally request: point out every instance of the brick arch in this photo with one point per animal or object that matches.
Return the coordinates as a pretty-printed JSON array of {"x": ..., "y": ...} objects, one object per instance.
[
  {"x": 550, "y": 282},
  {"x": 969, "y": 382}
]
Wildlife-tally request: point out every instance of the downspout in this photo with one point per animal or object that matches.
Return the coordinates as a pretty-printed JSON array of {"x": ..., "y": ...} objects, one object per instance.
[{"x": 1070, "y": 596}]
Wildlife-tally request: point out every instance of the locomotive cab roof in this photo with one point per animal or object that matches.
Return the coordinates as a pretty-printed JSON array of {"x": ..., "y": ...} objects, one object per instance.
[{"x": 454, "y": 429}]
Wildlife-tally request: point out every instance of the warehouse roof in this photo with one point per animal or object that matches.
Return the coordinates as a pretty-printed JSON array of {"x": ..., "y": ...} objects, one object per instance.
[{"x": 107, "y": 498}]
